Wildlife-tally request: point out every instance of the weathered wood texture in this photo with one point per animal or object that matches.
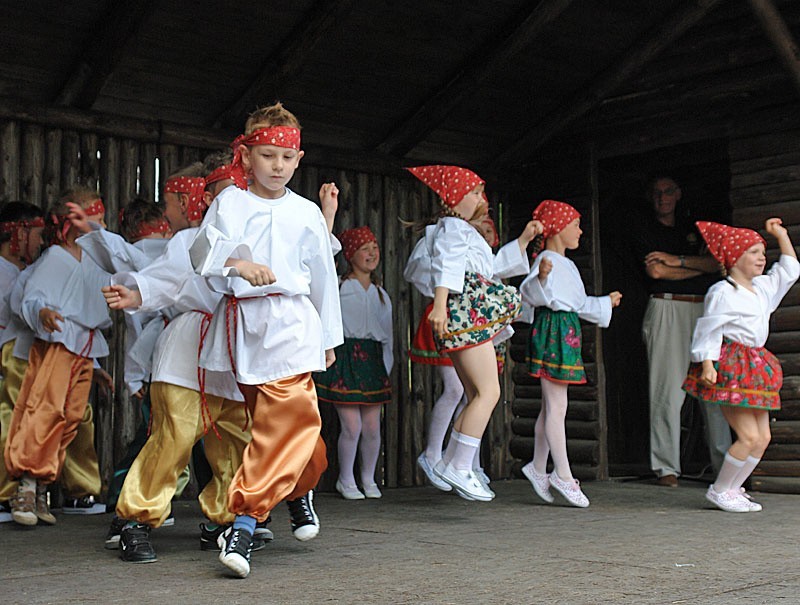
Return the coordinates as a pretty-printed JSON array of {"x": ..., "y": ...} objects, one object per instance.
[{"x": 765, "y": 182}]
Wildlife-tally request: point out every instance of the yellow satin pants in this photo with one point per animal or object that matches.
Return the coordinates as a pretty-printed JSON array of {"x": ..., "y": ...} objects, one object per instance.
[
  {"x": 286, "y": 456},
  {"x": 177, "y": 424}
]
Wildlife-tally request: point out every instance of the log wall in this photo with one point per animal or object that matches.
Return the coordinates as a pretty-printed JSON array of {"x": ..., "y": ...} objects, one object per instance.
[
  {"x": 765, "y": 182},
  {"x": 40, "y": 159}
]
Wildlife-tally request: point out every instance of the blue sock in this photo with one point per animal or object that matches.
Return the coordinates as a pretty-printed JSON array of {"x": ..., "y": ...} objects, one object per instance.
[{"x": 246, "y": 523}]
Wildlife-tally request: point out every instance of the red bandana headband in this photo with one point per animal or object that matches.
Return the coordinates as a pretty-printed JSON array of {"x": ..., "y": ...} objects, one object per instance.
[
  {"x": 145, "y": 229},
  {"x": 353, "y": 239},
  {"x": 194, "y": 187},
  {"x": 96, "y": 208},
  {"x": 727, "y": 244},
  {"x": 219, "y": 174},
  {"x": 451, "y": 183},
  {"x": 12, "y": 228},
  {"x": 280, "y": 136},
  {"x": 554, "y": 216}
]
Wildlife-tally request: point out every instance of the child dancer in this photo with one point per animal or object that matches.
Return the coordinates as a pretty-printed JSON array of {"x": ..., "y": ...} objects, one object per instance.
[
  {"x": 470, "y": 310},
  {"x": 555, "y": 288},
  {"x": 61, "y": 304},
  {"x": 358, "y": 383},
  {"x": 268, "y": 251},
  {"x": 731, "y": 367}
]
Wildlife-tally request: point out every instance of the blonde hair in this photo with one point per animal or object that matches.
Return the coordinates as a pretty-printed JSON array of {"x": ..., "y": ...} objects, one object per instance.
[
  {"x": 271, "y": 115},
  {"x": 194, "y": 169}
]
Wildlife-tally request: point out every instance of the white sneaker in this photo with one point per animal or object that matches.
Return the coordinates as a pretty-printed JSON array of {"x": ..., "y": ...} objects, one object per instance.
[
  {"x": 730, "y": 501},
  {"x": 483, "y": 479},
  {"x": 464, "y": 482},
  {"x": 571, "y": 490},
  {"x": 349, "y": 492},
  {"x": 434, "y": 480},
  {"x": 755, "y": 507},
  {"x": 371, "y": 490},
  {"x": 540, "y": 483},
  {"x": 438, "y": 470}
]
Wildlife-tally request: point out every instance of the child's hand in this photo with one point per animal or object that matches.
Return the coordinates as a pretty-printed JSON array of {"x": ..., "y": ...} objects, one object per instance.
[
  {"x": 615, "y": 297},
  {"x": 103, "y": 380},
  {"x": 329, "y": 200},
  {"x": 120, "y": 297},
  {"x": 532, "y": 229},
  {"x": 709, "y": 375},
  {"x": 140, "y": 393},
  {"x": 257, "y": 275},
  {"x": 545, "y": 266},
  {"x": 330, "y": 358},
  {"x": 775, "y": 228},
  {"x": 49, "y": 320},
  {"x": 438, "y": 321},
  {"x": 78, "y": 217}
]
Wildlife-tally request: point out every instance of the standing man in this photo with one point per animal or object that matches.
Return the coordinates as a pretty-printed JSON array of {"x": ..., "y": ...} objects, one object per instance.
[{"x": 678, "y": 277}]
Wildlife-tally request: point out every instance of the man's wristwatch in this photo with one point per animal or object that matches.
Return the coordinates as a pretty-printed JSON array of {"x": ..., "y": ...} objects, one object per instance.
[{"x": 682, "y": 258}]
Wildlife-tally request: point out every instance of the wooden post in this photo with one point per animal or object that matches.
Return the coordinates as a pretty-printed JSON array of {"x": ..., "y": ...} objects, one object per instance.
[
  {"x": 32, "y": 166},
  {"x": 9, "y": 167},
  {"x": 70, "y": 158},
  {"x": 52, "y": 169},
  {"x": 90, "y": 163}
]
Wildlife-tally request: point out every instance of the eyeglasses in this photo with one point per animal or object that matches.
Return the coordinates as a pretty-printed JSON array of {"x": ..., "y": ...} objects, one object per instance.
[{"x": 667, "y": 191}]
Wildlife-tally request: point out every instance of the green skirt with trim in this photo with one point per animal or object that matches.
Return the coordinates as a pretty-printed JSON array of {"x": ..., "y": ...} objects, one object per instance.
[
  {"x": 358, "y": 375},
  {"x": 554, "y": 347}
]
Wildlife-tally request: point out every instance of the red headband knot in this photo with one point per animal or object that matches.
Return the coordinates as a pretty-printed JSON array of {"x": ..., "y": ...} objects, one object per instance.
[
  {"x": 727, "y": 244},
  {"x": 12, "y": 228},
  {"x": 95, "y": 208},
  {"x": 219, "y": 174},
  {"x": 554, "y": 216},
  {"x": 194, "y": 187},
  {"x": 353, "y": 239},
  {"x": 450, "y": 183},
  {"x": 280, "y": 136}
]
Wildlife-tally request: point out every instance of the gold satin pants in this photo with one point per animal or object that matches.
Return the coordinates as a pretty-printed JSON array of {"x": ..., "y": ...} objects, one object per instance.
[
  {"x": 177, "y": 424},
  {"x": 286, "y": 456},
  {"x": 50, "y": 406}
]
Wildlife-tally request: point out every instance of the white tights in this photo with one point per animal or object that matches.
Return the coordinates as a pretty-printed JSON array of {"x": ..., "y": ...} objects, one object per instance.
[
  {"x": 442, "y": 412},
  {"x": 360, "y": 430},
  {"x": 550, "y": 433}
]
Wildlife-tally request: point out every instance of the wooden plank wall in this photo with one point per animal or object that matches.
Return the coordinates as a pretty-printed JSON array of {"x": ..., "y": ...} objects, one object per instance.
[
  {"x": 39, "y": 161},
  {"x": 765, "y": 182}
]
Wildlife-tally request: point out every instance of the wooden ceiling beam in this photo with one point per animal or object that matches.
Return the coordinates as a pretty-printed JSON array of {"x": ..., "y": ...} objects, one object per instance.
[
  {"x": 103, "y": 53},
  {"x": 634, "y": 59},
  {"x": 511, "y": 40},
  {"x": 780, "y": 36},
  {"x": 287, "y": 61}
]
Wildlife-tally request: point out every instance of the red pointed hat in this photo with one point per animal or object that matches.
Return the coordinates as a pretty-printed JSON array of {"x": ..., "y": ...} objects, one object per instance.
[
  {"x": 451, "y": 183},
  {"x": 554, "y": 216},
  {"x": 353, "y": 239},
  {"x": 726, "y": 243}
]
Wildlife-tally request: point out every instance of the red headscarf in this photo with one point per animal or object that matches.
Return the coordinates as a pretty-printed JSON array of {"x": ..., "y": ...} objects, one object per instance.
[
  {"x": 159, "y": 226},
  {"x": 353, "y": 239},
  {"x": 280, "y": 136},
  {"x": 727, "y": 244},
  {"x": 554, "y": 216},
  {"x": 194, "y": 187},
  {"x": 451, "y": 183}
]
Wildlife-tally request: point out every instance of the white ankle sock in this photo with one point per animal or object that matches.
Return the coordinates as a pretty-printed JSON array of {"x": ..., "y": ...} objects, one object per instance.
[
  {"x": 730, "y": 468},
  {"x": 451, "y": 447},
  {"x": 465, "y": 452},
  {"x": 745, "y": 471}
]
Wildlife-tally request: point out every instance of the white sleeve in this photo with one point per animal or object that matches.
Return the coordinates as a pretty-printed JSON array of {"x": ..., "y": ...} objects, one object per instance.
[
  {"x": 111, "y": 252},
  {"x": 386, "y": 324},
  {"x": 779, "y": 279},
  {"x": 324, "y": 285},
  {"x": 449, "y": 258},
  {"x": 418, "y": 268},
  {"x": 510, "y": 261},
  {"x": 534, "y": 292},
  {"x": 707, "y": 338},
  {"x": 336, "y": 245},
  {"x": 597, "y": 310},
  {"x": 216, "y": 242}
]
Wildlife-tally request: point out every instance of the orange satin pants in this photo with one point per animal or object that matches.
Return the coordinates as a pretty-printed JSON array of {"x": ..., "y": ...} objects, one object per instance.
[
  {"x": 286, "y": 456},
  {"x": 50, "y": 406}
]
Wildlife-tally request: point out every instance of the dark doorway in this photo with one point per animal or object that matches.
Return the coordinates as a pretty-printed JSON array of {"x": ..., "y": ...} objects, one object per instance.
[{"x": 703, "y": 171}]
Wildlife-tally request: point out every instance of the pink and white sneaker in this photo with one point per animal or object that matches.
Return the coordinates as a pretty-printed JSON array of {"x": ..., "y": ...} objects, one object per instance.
[
  {"x": 571, "y": 490},
  {"x": 731, "y": 501},
  {"x": 540, "y": 482},
  {"x": 755, "y": 507}
]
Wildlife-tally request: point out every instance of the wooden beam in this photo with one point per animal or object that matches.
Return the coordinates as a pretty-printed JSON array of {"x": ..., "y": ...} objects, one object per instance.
[
  {"x": 633, "y": 59},
  {"x": 511, "y": 40},
  {"x": 780, "y": 36},
  {"x": 103, "y": 52},
  {"x": 287, "y": 61}
]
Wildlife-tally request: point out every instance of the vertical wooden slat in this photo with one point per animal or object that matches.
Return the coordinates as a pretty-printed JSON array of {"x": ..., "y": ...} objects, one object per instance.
[
  {"x": 70, "y": 159},
  {"x": 90, "y": 163},
  {"x": 149, "y": 189},
  {"x": 128, "y": 168},
  {"x": 52, "y": 168},
  {"x": 9, "y": 167},
  {"x": 395, "y": 426},
  {"x": 168, "y": 163},
  {"x": 32, "y": 165}
]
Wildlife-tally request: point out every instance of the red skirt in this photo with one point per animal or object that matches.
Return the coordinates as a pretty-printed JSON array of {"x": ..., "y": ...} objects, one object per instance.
[
  {"x": 423, "y": 347},
  {"x": 748, "y": 377}
]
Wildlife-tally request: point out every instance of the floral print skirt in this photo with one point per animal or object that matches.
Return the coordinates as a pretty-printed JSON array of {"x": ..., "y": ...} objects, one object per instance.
[
  {"x": 358, "y": 375},
  {"x": 748, "y": 377},
  {"x": 423, "y": 347},
  {"x": 479, "y": 313},
  {"x": 554, "y": 347}
]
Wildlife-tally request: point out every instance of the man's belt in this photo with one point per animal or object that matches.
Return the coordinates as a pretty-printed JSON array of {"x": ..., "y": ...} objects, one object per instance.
[{"x": 692, "y": 298}]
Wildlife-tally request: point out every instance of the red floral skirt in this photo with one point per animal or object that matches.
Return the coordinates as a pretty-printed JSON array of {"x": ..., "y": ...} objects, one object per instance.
[
  {"x": 748, "y": 377},
  {"x": 423, "y": 347}
]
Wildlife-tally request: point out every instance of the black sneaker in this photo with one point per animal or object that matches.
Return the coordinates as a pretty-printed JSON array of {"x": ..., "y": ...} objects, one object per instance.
[
  {"x": 114, "y": 531},
  {"x": 85, "y": 505},
  {"x": 235, "y": 546},
  {"x": 209, "y": 534},
  {"x": 134, "y": 544},
  {"x": 305, "y": 523}
]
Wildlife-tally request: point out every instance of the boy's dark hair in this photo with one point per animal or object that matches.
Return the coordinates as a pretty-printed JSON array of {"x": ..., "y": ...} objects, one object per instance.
[
  {"x": 216, "y": 159},
  {"x": 136, "y": 213},
  {"x": 79, "y": 194},
  {"x": 194, "y": 169},
  {"x": 13, "y": 212},
  {"x": 271, "y": 115}
]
